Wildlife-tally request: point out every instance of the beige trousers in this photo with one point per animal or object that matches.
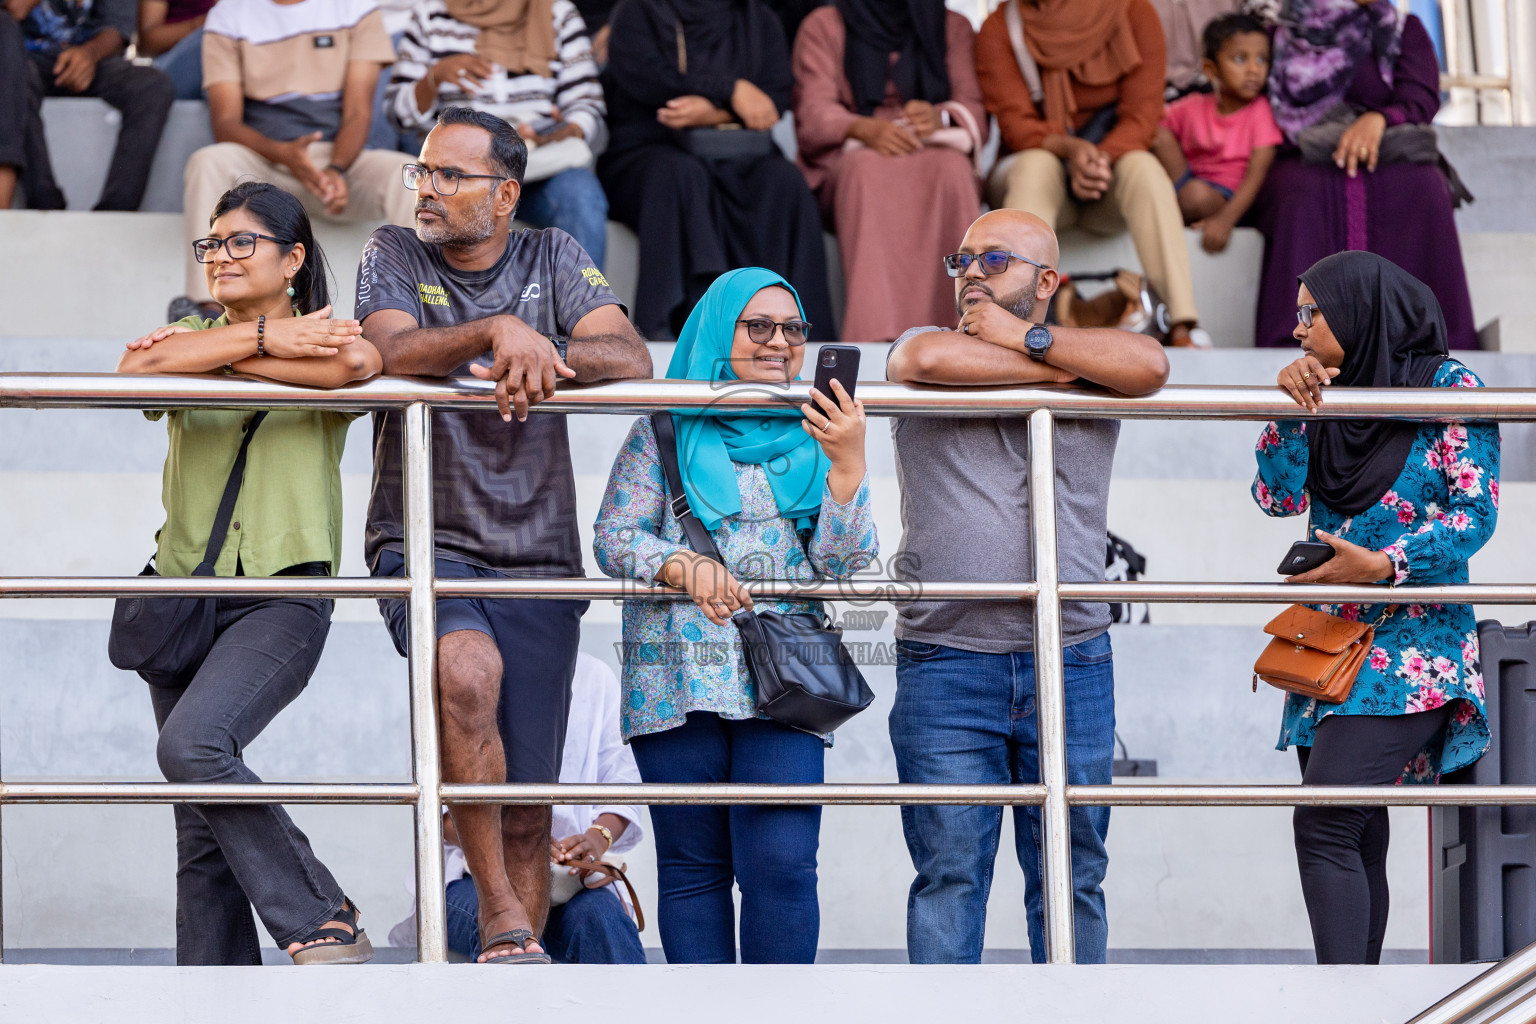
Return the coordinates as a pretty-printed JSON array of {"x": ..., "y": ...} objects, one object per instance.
[
  {"x": 1141, "y": 198},
  {"x": 375, "y": 191}
]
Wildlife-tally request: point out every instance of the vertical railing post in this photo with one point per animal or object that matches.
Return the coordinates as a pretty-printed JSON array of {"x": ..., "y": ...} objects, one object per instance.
[
  {"x": 1050, "y": 694},
  {"x": 431, "y": 914}
]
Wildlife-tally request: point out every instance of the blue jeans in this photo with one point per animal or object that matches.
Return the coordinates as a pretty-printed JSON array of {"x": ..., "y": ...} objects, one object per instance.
[
  {"x": 964, "y": 717},
  {"x": 184, "y": 63},
  {"x": 592, "y": 927},
  {"x": 574, "y": 202},
  {"x": 769, "y": 852}
]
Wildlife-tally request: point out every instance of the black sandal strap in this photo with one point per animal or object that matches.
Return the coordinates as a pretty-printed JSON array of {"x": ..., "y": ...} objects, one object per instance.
[{"x": 346, "y": 915}]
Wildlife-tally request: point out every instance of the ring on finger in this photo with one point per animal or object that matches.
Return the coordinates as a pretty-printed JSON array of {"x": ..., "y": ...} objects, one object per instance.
[{"x": 1307, "y": 375}]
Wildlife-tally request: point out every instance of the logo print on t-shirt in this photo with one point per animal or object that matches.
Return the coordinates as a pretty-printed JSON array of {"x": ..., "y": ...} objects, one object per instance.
[
  {"x": 531, "y": 292},
  {"x": 432, "y": 294},
  {"x": 594, "y": 277}
]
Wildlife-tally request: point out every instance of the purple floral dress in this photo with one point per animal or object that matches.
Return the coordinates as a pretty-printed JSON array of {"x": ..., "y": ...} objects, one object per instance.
[
  {"x": 675, "y": 659},
  {"x": 1439, "y": 512}
]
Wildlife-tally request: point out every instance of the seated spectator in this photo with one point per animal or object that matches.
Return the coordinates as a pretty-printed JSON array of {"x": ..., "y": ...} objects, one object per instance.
[
  {"x": 705, "y": 200},
  {"x": 1357, "y": 85},
  {"x": 171, "y": 31},
  {"x": 1183, "y": 23},
  {"x": 890, "y": 149},
  {"x": 595, "y": 925},
  {"x": 529, "y": 64},
  {"x": 1079, "y": 106},
  {"x": 75, "y": 48},
  {"x": 290, "y": 88},
  {"x": 783, "y": 498},
  {"x": 1218, "y": 146}
]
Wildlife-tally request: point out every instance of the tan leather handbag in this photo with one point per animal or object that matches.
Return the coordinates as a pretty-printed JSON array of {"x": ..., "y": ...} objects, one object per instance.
[{"x": 1315, "y": 654}]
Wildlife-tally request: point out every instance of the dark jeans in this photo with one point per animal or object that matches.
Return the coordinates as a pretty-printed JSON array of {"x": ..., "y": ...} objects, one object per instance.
[
  {"x": 1342, "y": 851},
  {"x": 232, "y": 856},
  {"x": 142, "y": 95},
  {"x": 592, "y": 927},
  {"x": 769, "y": 852},
  {"x": 966, "y": 717}
]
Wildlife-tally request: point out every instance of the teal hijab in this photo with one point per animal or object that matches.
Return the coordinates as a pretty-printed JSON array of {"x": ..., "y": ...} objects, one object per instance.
[{"x": 708, "y": 444}]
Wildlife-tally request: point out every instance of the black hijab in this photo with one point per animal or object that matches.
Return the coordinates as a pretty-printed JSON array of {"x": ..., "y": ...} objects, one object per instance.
[
  {"x": 1389, "y": 324},
  {"x": 717, "y": 34},
  {"x": 878, "y": 28}
]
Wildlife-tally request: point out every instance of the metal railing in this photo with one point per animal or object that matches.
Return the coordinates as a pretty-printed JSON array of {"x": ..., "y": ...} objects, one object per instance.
[{"x": 427, "y": 793}]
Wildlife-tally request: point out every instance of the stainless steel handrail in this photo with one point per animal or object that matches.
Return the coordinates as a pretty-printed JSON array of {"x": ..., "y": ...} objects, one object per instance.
[{"x": 427, "y": 793}]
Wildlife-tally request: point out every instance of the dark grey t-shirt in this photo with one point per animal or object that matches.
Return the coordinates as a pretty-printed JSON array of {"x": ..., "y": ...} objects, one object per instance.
[
  {"x": 965, "y": 516},
  {"x": 504, "y": 494}
]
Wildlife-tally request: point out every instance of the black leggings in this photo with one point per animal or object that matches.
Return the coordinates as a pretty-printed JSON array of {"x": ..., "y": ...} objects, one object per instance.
[{"x": 1342, "y": 851}]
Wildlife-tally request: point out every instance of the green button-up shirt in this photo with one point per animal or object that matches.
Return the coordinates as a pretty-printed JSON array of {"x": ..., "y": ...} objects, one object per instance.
[{"x": 289, "y": 508}]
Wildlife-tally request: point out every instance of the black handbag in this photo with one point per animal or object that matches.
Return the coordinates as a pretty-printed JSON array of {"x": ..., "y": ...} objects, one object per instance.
[
  {"x": 803, "y": 674},
  {"x": 165, "y": 638}
]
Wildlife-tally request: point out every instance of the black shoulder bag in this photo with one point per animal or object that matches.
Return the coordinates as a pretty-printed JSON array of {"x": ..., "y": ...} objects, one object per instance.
[
  {"x": 165, "y": 638},
  {"x": 804, "y": 675}
]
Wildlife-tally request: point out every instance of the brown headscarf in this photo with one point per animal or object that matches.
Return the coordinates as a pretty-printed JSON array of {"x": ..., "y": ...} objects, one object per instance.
[
  {"x": 1090, "y": 40},
  {"x": 517, "y": 34}
]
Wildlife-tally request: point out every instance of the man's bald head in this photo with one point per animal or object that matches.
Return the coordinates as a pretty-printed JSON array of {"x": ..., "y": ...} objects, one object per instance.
[
  {"x": 1026, "y": 284},
  {"x": 1022, "y": 232}
]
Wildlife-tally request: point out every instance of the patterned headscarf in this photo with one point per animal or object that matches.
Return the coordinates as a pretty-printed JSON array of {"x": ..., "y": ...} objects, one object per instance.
[{"x": 1318, "y": 47}]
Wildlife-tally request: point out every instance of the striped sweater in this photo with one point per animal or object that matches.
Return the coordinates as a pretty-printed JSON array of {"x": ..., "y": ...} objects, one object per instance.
[{"x": 432, "y": 34}]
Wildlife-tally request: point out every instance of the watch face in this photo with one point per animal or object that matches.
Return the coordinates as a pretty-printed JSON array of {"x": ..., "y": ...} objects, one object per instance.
[{"x": 1038, "y": 340}]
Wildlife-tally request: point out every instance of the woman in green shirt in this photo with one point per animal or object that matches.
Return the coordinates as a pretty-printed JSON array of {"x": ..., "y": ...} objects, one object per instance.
[{"x": 264, "y": 267}]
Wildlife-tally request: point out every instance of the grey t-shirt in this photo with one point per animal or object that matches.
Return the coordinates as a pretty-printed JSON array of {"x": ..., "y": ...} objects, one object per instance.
[
  {"x": 965, "y": 516},
  {"x": 505, "y": 497}
]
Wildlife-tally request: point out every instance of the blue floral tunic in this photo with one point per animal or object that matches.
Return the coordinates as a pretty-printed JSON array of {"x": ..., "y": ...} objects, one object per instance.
[
  {"x": 1441, "y": 510},
  {"x": 675, "y": 659}
]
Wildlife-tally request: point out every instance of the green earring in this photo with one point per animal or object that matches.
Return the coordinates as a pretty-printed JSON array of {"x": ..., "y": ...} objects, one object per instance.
[{"x": 290, "y": 291}]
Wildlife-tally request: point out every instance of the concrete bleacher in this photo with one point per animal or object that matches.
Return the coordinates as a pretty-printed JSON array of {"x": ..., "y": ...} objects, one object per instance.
[{"x": 80, "y": 496}]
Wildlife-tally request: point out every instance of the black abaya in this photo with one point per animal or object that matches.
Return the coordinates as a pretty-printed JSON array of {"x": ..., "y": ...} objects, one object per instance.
[{"x": 697, "y": 219}]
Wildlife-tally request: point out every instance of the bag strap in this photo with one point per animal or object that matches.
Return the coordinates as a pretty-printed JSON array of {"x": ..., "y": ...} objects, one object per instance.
[
  {"x": 1031, "y": 71},
  {"x": 227, "y": 502},
  {"x": 693, "y": 527}
]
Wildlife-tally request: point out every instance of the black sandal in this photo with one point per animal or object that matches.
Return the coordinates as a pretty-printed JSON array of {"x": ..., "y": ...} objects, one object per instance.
[
  {"x": 350, "y": 947},
  {"x": 519, "y": 937}
]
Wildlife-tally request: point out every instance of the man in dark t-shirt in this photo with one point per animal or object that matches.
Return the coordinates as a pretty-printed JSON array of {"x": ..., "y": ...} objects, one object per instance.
[{"x": 465, "y": 293}]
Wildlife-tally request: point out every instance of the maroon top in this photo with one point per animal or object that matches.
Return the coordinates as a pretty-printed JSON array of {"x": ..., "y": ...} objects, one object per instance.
[{"x": 1414, "y": 95}]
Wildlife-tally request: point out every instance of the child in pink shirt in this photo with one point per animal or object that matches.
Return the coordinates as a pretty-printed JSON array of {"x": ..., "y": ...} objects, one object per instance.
[{"x": 1218, "y": 146}]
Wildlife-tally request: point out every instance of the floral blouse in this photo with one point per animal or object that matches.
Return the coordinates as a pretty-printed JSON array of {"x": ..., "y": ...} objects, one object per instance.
[
  {"x": 675, "y": 659},
  {"x": 1440, "y": 511}
]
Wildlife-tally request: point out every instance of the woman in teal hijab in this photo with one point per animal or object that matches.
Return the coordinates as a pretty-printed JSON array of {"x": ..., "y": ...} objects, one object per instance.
[{"x": 786, "y": 497}]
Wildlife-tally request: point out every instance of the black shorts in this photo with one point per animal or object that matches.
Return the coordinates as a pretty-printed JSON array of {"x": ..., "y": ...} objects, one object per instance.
[{"x": 538, "y": 641}]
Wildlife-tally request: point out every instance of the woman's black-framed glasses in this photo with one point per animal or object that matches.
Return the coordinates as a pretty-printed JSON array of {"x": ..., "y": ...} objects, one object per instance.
[
  {"x": 993, "y": 261},
  {"x": 1305, "y": 311},
  {"x": 445, "y": 181},
  {"x": 239, "y": 245},
  {"x": 760, "y": 329}
]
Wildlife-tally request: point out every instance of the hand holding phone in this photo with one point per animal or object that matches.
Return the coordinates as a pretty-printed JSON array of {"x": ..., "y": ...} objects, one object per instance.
[
  {"x": 1304, "y": 556},
  {"x": 839, "y": 363}
]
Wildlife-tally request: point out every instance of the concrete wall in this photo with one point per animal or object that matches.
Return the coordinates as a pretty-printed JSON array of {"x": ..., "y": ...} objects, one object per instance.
[{"x": 79, "y": 495}]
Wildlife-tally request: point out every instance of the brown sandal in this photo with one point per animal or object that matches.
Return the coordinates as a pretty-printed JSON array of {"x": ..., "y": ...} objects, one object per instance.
[{"x": 350, "y": 947}]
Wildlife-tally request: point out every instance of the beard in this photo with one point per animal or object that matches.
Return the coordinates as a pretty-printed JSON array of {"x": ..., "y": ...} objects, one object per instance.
[
  {"x": 1021, "y": 303},
  {"x": 471, "y": 227}
]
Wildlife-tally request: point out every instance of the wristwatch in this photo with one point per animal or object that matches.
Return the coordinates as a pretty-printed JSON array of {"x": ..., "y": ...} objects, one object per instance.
[
  {"x": 1038, "y": 342},
  {"x": 562, "y": 345}
]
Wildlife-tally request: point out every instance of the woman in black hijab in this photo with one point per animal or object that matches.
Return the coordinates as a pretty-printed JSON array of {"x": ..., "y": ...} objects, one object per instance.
[
  {"x": 693, "y": 87},
  {"x": 1399, "y": 502}
]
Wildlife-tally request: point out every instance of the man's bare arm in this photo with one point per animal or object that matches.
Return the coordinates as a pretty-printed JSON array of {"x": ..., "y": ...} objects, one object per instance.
[
  {"x": 1132, "y": 364},
  {"x": 411, "y": 349},
  {"x": 949, "y": 357},
  {"x": 605, "y": 346}
]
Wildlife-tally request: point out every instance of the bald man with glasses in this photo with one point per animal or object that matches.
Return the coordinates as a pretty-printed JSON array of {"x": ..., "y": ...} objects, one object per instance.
[{"x": 965, "y": 681}]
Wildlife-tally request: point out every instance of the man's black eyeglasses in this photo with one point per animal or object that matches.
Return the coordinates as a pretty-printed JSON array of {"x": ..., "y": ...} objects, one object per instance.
[
  {"x": 1304, "y": 313},
  {"x": 760, "y": 329},
  {"x": 239, "y": 245},
  {"x": 994, "y": 261},
  {"x": 445, "y": 182}
]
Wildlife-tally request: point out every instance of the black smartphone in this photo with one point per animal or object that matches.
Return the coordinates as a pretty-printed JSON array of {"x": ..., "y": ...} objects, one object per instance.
[
  {"x": 1304, "y": 556},
  {"x": 839, "y": 363}
]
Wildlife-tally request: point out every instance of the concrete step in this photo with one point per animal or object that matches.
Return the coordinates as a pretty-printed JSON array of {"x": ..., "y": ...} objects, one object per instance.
[{"x": 1064, "y": 995}]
